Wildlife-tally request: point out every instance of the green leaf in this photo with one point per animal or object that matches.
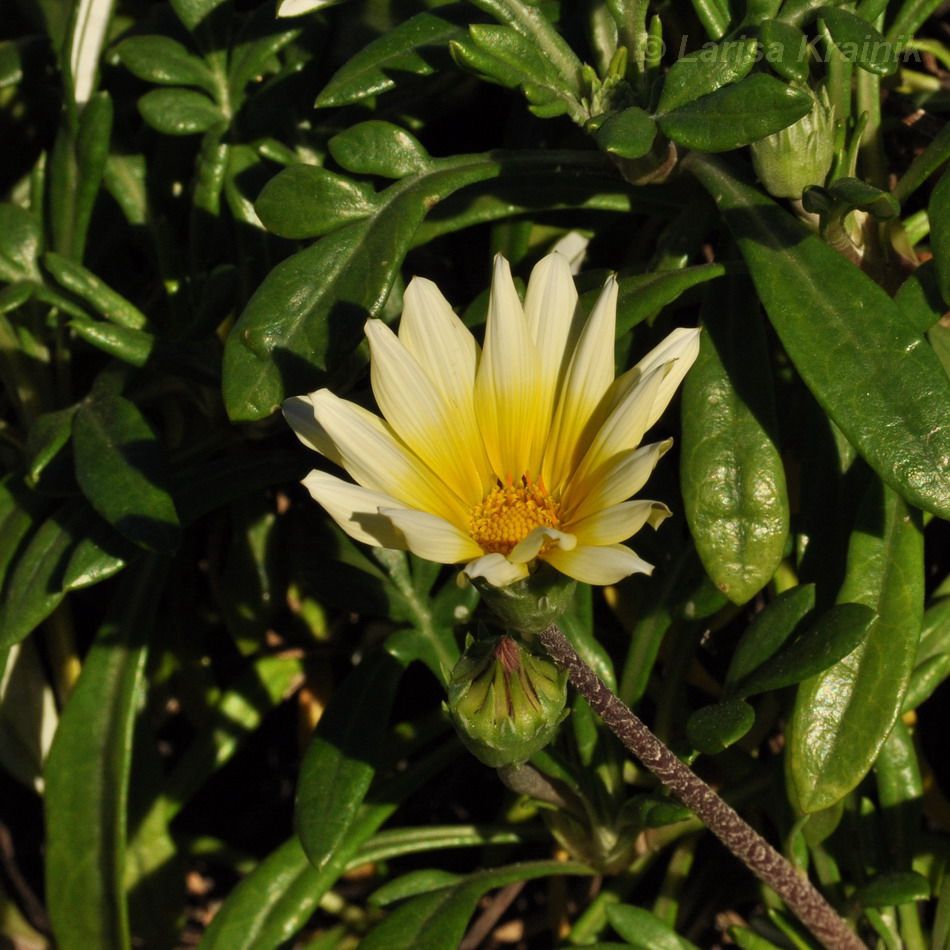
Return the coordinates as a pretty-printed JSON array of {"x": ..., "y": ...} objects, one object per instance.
[
  {"x": 770, "y": 629},
  {"x": 919, "y": 298},
  {"x": 714, "y": 728},
  {"x": 705, "y": 70},
  {"x": 837, "y": 633},
  {"x": 48, "y": 434},
  {"x": 72, "y": 548},
  {"x": 416, "y": 46},
  {"x": 21, "y": 240},
  {"x": 859, "y": 42},
  {"x": 876, "y": 378},
  {"x": 627, "y": 134},
  {"x": 736, "y": 115},
  {"x": 306, "y": 201},
  {"x": 193, "y": 12},
  {"x": 179, "y": 111},
  {"x": 87, "y": 772},
  {"x": 732, "y": 476},
  {"x": 644, "y": 931},
  {"x": 843, "y": 715},
  {"x": 341, "y": 759},
  {"x": 939, "y": 213},
  {"x": 379, "y": 148},
  {"x": 121, "y": 467},
  {"x": 439, "y": 918},
  {"x": 94, "y": 291},
  {"x": 21, "y": 511},
  {"x": 895, "y": 888},
  {"x": 785, "y": 49},
  {"x": 160, "y": 59}
]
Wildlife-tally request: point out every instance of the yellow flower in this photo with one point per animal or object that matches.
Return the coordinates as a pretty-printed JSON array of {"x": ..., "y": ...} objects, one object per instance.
[{"x": 527, "y": 449}]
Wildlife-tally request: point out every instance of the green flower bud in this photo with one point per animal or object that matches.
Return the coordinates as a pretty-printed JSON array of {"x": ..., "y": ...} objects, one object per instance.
[
  {"x": 505, "y": 700},
  {"x": 790, "y": 160},
  {"x": 531, "y": 604}
]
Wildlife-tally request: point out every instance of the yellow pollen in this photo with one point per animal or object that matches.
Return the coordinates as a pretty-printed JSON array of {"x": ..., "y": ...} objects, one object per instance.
[{"x": 510, "y": 512}]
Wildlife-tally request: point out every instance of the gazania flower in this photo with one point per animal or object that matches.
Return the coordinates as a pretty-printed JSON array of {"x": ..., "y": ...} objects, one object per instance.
[{"x": 527, "y": 449}]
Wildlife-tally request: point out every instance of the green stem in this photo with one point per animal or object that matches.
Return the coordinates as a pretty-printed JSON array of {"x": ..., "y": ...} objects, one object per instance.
[{"x": 741, "y": 839}]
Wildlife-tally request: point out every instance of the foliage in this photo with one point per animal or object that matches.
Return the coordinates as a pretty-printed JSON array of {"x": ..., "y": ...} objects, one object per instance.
[{"x": 202, "y": 201}]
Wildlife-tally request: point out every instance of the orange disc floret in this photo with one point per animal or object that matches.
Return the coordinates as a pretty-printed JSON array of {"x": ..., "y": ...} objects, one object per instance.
[{"x": 510, "y": 512}]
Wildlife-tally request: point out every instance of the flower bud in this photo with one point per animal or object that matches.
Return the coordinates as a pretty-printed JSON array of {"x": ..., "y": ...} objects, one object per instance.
[
  {"x": 505, "y": 701},
  {"x": 790, "y": 160},
  {"x": 529, "y": 605}
]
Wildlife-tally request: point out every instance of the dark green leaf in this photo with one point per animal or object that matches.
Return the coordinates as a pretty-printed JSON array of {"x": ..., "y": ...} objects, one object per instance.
[
  {"x": 939, "y": 213},
  {"x": 122, "y": 469},
  {"x": 767, "y": 633},
  {"x": 714, "y": 728},
  {"x": 179, "y": 111},
  {"x": 736, "y": 115},
  {"x": 732, "y": 476},
  {"x": 859, "y": 42},
  {"x": 439, "y": 918},
  {"x": 627, "y": 134},
  {"x": 21, "y": 511},
  {"x": 644, "y": 931},
  {"x": 160, "y": 59},
  {"x": 379, "y": 148},
  {"x": 858, "y": 194},
  {"x": 94, "y": 291},
  {"x": 704, "y": 71},
  {"x": 837, "y": 633},
  {"x": 899, "y": 887},
  {"x": 919, "y": 298},
  {"x": 20, "y": 244},
  {"x": 417, "y": 46},
  {"x": 306, "y": 201},
  {"x": 87, "y": 772},
  {"x": 193, "y": 12},
  {"x": 843, "y": 715},
  {"x": 867, "y": 367},
  {"x": 341, "y": 760},
  {"x": 785, "y": 49},
  {"x": 48, "y": 434}
]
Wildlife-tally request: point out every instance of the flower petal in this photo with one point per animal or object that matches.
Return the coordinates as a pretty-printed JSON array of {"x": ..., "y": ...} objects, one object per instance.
[
  {"x": 355, "y": 509},
  {"x": 613, "y": 483},
  {"x": 619, "y": 522},
  {"x": 432, "y": 537},
  {"x": 299, "y": 413},
  {"x": 597, "y": 565},
  {"x": 495, "y": 568},
  {"x": 528, "y": 548},
  {"x": 508, "y": 392},
  {"x": 588, "y": 378},
  {"x": 414, "y": 407},
  {"x": 369, "y": 450}
]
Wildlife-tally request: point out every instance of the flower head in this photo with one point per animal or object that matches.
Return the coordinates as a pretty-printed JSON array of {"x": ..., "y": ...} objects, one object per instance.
[{"x": 525, "y": 449}]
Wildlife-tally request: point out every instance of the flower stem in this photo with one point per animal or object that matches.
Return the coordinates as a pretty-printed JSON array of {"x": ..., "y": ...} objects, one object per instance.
[{"x": 738, "y": 836}]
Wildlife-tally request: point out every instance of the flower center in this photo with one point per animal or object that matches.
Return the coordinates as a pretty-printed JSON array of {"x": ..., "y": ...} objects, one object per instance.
[{"x": 510, "y": 512}]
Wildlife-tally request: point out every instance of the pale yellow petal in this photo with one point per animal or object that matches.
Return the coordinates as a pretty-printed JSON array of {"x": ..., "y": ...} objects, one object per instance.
[
  {"x": 619, "y": 522},
  {"x": 496, "y": 569},
  {"x": 681, "y": 348},
  {"x": 550, "y": 309},
  {"x": 508, "y": 393},
  {"x": 299, "y": 413},
  {"x": 598, "y": 565},
  {"x": 355, "y": 509},
  {"x": 420, "y": 416},
  {"x": 588, "y": 378},
  {"x": 432, "y": 537},
  {"x": 370, "y": 451},
  {"x": 528, "y": 548},
  {"x": 615, "y": 482}
]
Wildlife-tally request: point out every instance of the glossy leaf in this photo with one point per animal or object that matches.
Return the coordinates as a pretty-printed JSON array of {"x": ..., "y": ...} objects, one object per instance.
[
  {"x": 767, "y": 633},
  {"x": 194, "y": 12},
  {"x": 867, "y": 367},
  {"x": 644, "y": 931},
  {"x": 416, "y": 46},
  {"x": 920, "y": 299},
  {"x": 939, "y": 213},
  {"x": 705, "y": 70},
  {"x": 714, "y": 728},
  {"x": 731, "y": 475},
  {"x": 87, "y": 773},
  {"x": 859, "y": 42},
  {"x": 121, "y": 467},
  {"x": 20, "y": 243},
  {"x": 836, "y": 633},
  {"x": 735, "y": 115},
  {"x": 94, "y": 291},
  {"x": 379, "y": 148},
  {"x": 341, "y": 760},
  {"x": 48, "y": 434},
  {"x": 627, "y": 134},
  {"x": 306, "y": 201},
  {"x": 785, "y": 49},
  {"x": 439, "y": 918},
  {"x": 899, "y": 887},
  {"x": 179, "y": 111},
  {"x": 843, "y": 715},
  {"x": 160, "y": 59}
]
